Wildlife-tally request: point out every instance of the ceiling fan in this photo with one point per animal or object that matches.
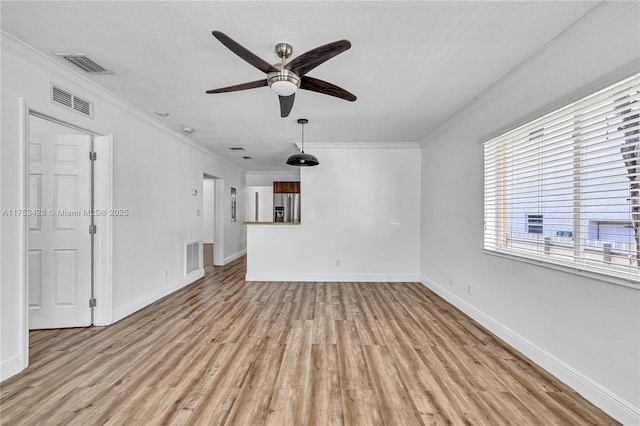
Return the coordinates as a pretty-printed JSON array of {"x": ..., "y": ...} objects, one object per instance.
[{"x": 285, "y": 78}]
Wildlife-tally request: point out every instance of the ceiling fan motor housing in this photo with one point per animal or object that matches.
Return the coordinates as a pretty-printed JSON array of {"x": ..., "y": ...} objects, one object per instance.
[{"x": 284, "y": 50}]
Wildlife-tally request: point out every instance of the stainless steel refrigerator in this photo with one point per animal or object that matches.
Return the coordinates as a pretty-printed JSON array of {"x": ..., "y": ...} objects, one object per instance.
[{"x": 286, "y": 207}]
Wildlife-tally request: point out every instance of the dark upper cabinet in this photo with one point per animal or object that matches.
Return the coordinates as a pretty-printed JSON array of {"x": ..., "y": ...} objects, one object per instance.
[{"x": 286, "y": 187}]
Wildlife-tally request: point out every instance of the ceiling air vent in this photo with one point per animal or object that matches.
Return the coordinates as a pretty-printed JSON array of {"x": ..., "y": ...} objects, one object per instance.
[
  {"x": 67, "y": 99},
  {"x": 237, "y": 148},
  {"x": 85, "y": 63}
]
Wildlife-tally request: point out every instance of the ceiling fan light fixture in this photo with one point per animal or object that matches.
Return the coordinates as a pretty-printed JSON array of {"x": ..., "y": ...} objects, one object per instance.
[
  {"x": 283, "y": 87},
  {"x": 283, "y": 82}
]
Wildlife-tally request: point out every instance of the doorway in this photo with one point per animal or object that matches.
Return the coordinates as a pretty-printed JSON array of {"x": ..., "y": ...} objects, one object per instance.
[{"x": 213, "y": 203}]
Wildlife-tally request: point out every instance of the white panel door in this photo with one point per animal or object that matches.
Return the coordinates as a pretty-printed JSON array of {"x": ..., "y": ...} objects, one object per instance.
[{"x": 59, "y": 239}]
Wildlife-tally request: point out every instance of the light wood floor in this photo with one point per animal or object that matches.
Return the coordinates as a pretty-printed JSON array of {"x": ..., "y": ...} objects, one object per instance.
[{"x": 224, "y": 351}]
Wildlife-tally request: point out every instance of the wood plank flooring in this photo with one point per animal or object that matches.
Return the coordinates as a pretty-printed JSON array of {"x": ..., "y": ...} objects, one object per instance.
[{"x": 224, "y": 351}]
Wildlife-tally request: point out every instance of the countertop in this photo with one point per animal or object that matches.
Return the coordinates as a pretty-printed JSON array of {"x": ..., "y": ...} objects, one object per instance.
[{"x": 271, "y": 223}]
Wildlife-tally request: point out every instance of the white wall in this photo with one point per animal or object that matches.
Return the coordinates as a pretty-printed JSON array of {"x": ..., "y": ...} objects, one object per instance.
[
  {"x": 154, "y": 171},
  {"x": 266, "y": 178},
  {"x": 208, "y": 210},
  {"x": 235, "y": 233},
  {"x": 265, "y": 203},
  {"x": 585, "y": 331},
  {"x": 360, "y": 206}
]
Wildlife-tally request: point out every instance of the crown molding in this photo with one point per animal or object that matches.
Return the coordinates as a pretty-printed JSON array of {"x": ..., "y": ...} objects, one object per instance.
[
  {"x": 272, "y": 172},
  {"x": 360, "y": 145},
  {"x": 79, "y": 82},
  {"x": 591, "y": 23}
]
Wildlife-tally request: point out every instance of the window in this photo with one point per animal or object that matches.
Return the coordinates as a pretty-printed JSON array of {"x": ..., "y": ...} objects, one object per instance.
[
  {"x": 565, "y": 188},
  {"x": 534, "y": 223}
]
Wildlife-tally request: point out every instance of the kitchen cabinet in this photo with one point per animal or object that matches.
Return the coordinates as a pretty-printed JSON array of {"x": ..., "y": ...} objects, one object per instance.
[{"x": 286, "y": 187}]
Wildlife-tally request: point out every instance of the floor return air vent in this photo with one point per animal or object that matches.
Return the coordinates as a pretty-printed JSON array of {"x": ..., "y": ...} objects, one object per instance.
[{"x": 192, "y": 256}]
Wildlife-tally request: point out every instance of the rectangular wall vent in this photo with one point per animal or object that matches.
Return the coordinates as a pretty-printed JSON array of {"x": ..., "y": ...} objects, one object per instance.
[
  {"x": 67, "y": 99},
  {"x": 82, "y": 106},
  {"x": 85, "y": 63},
  {"x": 62, "y": 97},
  {"x": 193, "y": 257}
]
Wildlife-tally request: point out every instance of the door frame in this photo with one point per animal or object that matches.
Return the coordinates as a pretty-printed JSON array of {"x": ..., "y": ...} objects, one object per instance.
[{"x": 102, "y": 247}]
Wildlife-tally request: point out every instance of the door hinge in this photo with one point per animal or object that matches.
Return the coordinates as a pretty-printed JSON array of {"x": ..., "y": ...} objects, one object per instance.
[
  {"x": 92, "y": 303},
  {"x": 93, "y": 155},
  {"x": 93, "y": 229}
]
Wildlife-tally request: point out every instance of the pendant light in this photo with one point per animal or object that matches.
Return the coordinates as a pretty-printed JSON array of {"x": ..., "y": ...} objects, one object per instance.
[{"x": 302, "y": 159}]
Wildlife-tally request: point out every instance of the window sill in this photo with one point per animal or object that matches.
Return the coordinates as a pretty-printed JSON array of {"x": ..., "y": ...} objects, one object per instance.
[{"x": 563, "y": 268}]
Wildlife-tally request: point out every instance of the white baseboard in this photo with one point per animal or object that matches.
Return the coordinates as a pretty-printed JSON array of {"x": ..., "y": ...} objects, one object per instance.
[
  {"x": 12, "y": 366},
  {"x": 148, "y": 299},
  {"x": 234, "y": 256},
  {"x": 612, "y": 404},
  {"x": 333, "y": 277}
]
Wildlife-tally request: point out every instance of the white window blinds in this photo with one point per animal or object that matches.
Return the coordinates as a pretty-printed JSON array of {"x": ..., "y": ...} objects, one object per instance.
[{"x": 565, "y": 188}]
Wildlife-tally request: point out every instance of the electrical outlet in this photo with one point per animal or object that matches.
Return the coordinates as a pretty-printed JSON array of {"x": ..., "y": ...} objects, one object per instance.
[
  {"x": 337, "y": 263},
  {"x": 469, "y": 289}
]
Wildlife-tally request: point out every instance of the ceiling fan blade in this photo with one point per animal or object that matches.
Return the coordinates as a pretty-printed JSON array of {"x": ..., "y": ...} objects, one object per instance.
[
  {"x": 286, "y": 104},
  {"x": 245, "y": 54},
  {"x": 314, "y": 57},
  {"x": 243, "y": 86},
  {"x": 324, "y": 87}
]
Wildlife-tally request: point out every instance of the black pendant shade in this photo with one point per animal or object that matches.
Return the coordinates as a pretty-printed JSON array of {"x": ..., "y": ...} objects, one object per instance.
[{"x": 302, "y": 159}]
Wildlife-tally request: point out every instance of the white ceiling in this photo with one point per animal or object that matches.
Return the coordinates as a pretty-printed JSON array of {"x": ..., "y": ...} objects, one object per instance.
[{"x": 412, "y": 65}]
